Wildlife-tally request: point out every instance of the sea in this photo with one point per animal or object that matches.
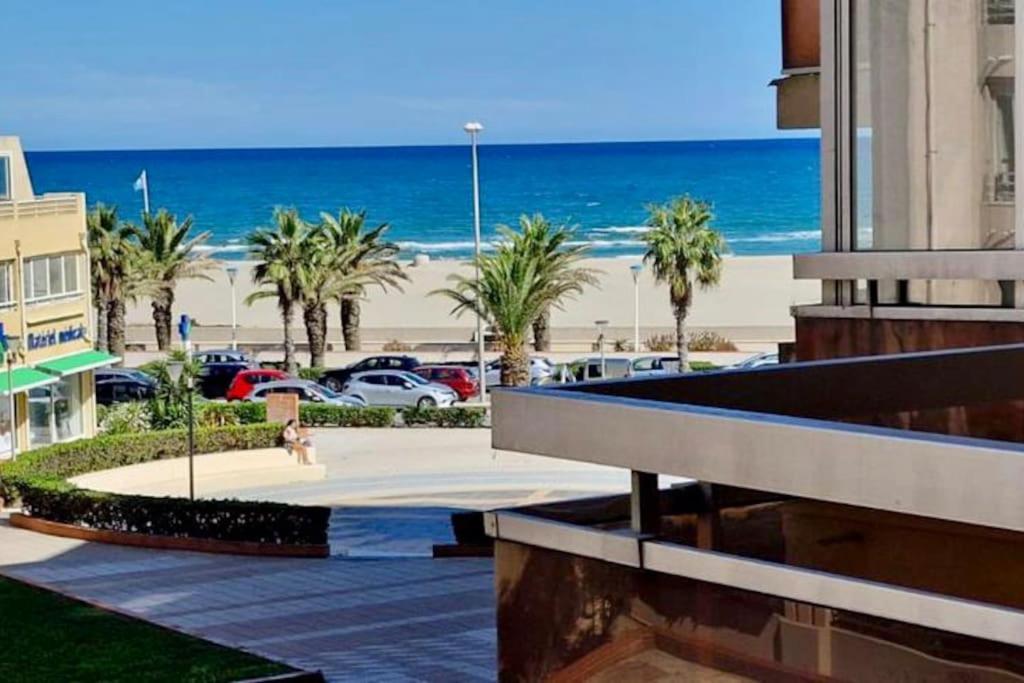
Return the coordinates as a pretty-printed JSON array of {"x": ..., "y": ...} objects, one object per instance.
[{"x": 764, "y": 193}]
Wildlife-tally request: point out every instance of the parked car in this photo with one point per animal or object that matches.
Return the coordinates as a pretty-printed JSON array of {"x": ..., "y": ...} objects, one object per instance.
[
  {"x": 541, "y": 370},
  {"x": 219, "y": 367},
  {"x": 335, "y": 379},
  {"x": 462, "y": 380},
  {"x": 647, "y": 366},
  {"x": 307, "y": 390},
  {"x": 757, "y": 361},
  {"x": 398, "y": 388},
  {"x": 585, "y": 369},
  {"x": 120, "y": 385},
  {"x": 247, "y": 380}
]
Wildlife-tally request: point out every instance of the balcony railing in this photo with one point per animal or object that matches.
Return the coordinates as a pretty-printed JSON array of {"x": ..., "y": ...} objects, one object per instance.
[{"x": 45, "y": 205}]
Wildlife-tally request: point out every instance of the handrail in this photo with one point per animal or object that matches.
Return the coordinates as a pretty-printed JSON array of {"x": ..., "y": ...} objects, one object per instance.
[
  {"x": 44, "y": 205},
  {"x": 966, "y": 264}
]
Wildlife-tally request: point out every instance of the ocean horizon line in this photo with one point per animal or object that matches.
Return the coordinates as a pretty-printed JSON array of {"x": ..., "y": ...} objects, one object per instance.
[{"x": 426, "y": 146}]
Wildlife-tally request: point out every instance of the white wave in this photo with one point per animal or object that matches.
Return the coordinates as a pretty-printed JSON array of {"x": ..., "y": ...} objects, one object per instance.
[
  {"x": 443, "y": 246},
  {"x": 593, "y": 203},
  {"x": 621, "y": 230},
  {"x": 779, "y": 236},
  {"x": 217, "y": 248}
]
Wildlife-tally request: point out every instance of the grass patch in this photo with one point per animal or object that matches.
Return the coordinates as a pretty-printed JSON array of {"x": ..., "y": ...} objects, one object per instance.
[{"x": 47, "y": 637}]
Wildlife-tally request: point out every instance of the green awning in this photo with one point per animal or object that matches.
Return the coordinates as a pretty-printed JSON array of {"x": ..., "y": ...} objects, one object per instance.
[
  {"x": 23, "y": 380},
  {"x": 76, "y": 363}
]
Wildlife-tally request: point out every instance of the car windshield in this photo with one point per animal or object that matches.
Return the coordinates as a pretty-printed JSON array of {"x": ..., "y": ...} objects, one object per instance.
[
  {"x": 323, "y": 391},
  {"x": 414, "y": 378}
]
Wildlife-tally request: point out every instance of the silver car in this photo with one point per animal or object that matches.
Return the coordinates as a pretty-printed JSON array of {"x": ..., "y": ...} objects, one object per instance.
[
  {"x": 306, "y": 390},
  {"x": 541, "y": 371},
  {"x": 398, "y": 388}
]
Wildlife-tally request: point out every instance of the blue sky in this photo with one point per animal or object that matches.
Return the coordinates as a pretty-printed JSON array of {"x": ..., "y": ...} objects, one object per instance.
[{"x": 107, "y": 74}]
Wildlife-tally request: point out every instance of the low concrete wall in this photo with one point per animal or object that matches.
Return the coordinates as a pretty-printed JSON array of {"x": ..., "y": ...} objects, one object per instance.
[{"x": 215, "y": 472}]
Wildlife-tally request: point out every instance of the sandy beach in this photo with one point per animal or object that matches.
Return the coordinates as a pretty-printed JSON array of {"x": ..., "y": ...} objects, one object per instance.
[{"x": 751, "y": 306}]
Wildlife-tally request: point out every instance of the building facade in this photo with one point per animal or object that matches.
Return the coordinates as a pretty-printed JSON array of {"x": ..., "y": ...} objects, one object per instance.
[
  {"x": 45, "y": 308},
  {"x": 855, "y": 516}
]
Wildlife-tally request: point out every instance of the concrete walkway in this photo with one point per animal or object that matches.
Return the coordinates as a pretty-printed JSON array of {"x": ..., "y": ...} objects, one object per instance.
[{"x": 408, "y": 619}]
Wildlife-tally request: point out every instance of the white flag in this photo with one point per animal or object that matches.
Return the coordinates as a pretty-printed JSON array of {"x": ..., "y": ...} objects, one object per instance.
[{"x": 140, "y": 182}]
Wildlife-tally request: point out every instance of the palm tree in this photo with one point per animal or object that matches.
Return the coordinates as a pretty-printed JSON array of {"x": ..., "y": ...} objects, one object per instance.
[
  {"x": 552, "y": 247},
  {"x": 368, "y": 252},
  {"x": 170, "y": 256},
  {"x": 115, "y": 274},
  {"x": 280, "y": 252},
  {"x": 684, "y": 251},
  {"x": 514, "y": 288},
  {"x": 316, "y": 277}
]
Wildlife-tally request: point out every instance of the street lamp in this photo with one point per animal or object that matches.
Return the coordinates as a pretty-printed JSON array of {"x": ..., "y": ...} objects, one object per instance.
[
  {"x": 232, "y": 272},
  {"x": 473, "y": 129},
  {"x": 175, "y": 370},
  {"x": 601, "y": 325},
  {"x": 636, "y": 269}
]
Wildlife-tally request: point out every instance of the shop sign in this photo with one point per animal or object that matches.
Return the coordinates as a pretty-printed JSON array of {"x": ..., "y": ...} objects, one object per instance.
[{"x": 55, "y": 337}]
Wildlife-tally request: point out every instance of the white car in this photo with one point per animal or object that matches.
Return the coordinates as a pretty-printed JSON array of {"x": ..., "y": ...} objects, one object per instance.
[
  {"x": 306, "y": 390},
  {"x": 399, "y": 389},
  {"x": 760, "y": 360},
  {"x": 541, "y": 371}
]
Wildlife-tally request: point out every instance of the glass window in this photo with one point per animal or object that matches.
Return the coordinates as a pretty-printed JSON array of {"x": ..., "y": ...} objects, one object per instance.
[
  {"x": 40, "y": 417},
  {"x": 6, "y": 428},
  {"x": 5, "y": 177},
  {"x": 71, "y": 273},
  {"x": 6, "y": 288},
  {"x": 55, "y": 268},
  {"x": 40, "y": 278},
  {"x": 67, "y": 407}
]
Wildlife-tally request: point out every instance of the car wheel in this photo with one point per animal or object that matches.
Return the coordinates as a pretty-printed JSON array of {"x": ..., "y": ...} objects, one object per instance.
[
  {"x": 333, "y": 383},
  {"x": 426, "y": 402}
]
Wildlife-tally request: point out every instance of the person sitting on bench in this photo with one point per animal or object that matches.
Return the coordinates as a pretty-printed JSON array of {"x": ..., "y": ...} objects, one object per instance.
[{"x": 296, "y": 443}]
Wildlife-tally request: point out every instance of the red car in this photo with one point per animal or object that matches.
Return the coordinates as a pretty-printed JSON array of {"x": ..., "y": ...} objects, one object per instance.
[
  {"x": 247, "y": 380},
  {"x": 459, "y": 379}
]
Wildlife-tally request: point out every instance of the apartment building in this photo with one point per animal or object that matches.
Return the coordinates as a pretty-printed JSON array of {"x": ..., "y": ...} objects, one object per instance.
[
  {"x": 46, "y": 389},
  {"x": 856, "y": 515}
]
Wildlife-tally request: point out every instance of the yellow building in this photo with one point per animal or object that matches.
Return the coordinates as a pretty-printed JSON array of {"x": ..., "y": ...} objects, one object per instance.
[{"x": 45, "y": 309}]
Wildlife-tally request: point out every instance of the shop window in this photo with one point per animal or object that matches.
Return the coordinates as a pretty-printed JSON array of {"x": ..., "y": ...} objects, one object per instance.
[
  {"x": 7, "y": 433},
  {"x": 55, "y": 412}
]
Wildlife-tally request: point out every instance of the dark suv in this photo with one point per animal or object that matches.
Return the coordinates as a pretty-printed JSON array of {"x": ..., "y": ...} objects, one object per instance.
[
  {"x": 335, "y": 379},
  {"x": 219, "y": 367},
  {"x": 118, "y": 385}
]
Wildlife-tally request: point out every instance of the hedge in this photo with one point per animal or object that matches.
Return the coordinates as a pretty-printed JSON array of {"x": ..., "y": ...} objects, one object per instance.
[
  {"x": 456, "y": 416},
  {"x": 323, "y": 415},
  {"x": 39, "y": 479}
]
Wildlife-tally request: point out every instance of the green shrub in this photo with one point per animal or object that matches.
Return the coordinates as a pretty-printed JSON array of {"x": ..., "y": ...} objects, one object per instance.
[
  {"x": 456, "y": 416},
  {"x": 311, "y": 373},
  {"x": 225, "y": 520},
  {"x": 125, "y": 418},
  {"x": 661, "y": 343},
  {"x": 238, "y": 413},
  {"x": 39, "y": 479},
  {"x": 709, "y": 340},
  {"x": 395, "y": 345},
  {"x": 320, "y": 415}
]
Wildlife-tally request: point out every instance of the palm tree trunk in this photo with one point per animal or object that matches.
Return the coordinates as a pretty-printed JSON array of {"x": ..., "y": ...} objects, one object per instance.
[
  {"x": 115, "y": 327},
  {"x": 162, "y": 304},
  {"x": 350, "y": 311},
  {"x": 542, "y": 331},
  {"x": 681, "y": 308},
  {"x": 515, "y": 365},
  {"x": 315, "y": 319},
  {"x": 102, "y": 331},
  {"x": 287, "y": 312}
]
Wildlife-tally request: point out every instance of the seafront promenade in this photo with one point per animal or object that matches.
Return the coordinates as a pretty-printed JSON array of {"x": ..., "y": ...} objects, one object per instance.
[{"x": 751, "y": 307}]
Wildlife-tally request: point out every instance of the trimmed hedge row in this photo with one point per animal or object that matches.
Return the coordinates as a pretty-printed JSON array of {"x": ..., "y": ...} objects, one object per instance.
[
  {"x": 39, "y": 479},
  {"x": 321, "y": 415}
]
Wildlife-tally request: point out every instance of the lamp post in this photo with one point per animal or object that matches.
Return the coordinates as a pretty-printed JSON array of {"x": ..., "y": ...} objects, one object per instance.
[
  {"x": 175, "y": 370},
  {"x": 232, "y": 272},
  {"x": 473, "y": 128},
  {"x": 601, "y": 324},
  {"x": 636, "y": 269},
  {"x": 9, "y": 351}
]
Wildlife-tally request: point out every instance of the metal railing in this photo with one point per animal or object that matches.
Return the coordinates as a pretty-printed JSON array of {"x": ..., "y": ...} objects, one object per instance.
[{"x": 45, "y": 205}]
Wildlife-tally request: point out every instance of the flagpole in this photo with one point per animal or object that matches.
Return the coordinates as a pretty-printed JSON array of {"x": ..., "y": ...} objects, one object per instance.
[{"x": 145, "y": 192}]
